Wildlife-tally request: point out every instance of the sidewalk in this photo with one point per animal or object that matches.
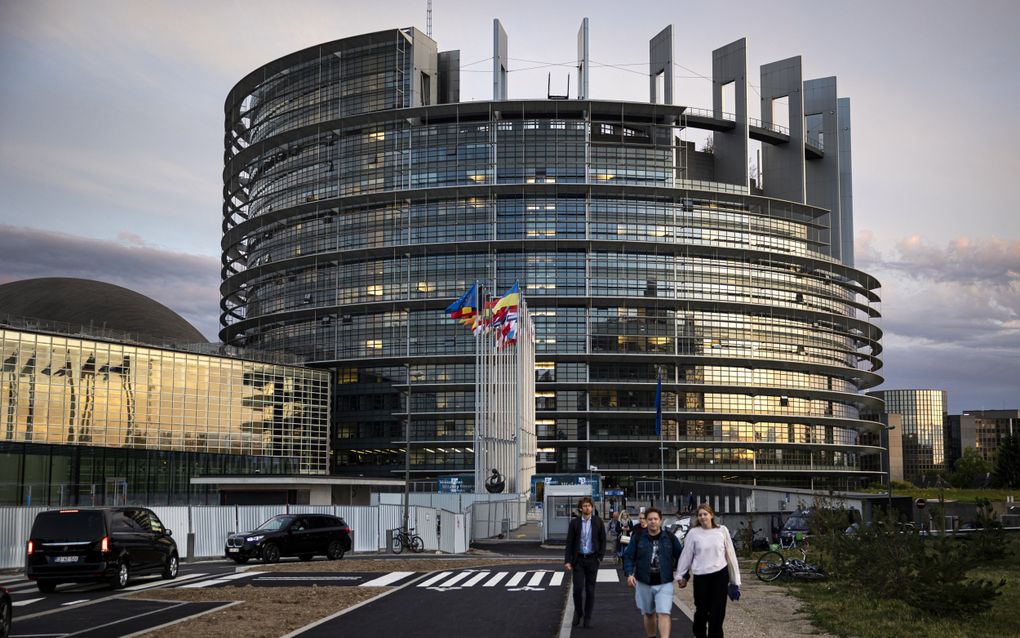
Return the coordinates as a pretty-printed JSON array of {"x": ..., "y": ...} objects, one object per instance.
[{"x": 615, "y": 613}]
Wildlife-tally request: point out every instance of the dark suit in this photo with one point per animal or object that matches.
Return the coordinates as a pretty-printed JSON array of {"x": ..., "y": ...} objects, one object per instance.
[{"x": 585, "y": 568}]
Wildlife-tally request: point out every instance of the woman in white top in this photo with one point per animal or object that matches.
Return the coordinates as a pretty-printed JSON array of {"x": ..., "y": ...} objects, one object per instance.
[{"x": 709, "y": 555}]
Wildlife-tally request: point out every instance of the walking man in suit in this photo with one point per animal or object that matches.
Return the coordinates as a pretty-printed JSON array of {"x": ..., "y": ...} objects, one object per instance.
[{"x": 586, "y": 544}]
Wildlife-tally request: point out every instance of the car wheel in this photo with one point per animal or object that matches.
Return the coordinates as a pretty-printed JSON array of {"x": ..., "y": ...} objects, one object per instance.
[
  {"x": 120, "y": 579},
  {"x": 270, "y": 553},
  {"x": 171, "y": 567},
  {"x": 306, "y": 557},
  {"x": 46, "y": 586},
  {"x": 335, "y": 551},
  {"x": 240, "y": 560}
]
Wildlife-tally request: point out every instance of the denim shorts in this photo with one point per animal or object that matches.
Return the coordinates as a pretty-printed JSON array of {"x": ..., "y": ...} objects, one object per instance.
[{"x": 654, "y": 599}]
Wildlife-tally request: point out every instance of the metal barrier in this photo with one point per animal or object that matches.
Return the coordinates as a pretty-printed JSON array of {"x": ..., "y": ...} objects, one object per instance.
[{"x": 211, "y": 525}]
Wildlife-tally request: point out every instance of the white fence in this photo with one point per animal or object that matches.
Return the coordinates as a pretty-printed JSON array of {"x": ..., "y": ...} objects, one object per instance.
[{"x": 211, "y": 525}]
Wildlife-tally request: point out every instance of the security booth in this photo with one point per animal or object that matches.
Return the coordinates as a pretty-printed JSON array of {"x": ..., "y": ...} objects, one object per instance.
[{"x": 560, "y": 507}]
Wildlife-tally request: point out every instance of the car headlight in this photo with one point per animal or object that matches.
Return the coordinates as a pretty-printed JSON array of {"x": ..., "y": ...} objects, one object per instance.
[{"x": 254, "y": 539}]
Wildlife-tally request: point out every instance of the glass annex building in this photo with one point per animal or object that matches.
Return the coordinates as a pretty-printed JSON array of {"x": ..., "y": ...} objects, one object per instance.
[
  {"x": 362, "y": 197},
  {"x": 93, "y": 422},
  {"x": 924, "y": 417}
]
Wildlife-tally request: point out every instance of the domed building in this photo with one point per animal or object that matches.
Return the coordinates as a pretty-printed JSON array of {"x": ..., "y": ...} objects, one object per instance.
[
  {"x": 108, "y": 397},
  {"x": 362, "y": 196},
  {"x": 99, "y": 306}
]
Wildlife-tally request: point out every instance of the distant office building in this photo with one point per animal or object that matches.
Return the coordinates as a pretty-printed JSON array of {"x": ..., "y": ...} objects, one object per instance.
[
  {"x": 362, "y": 196},
  {"x": 890, "y": 440},
  {"x": 983, "y": 430},
  {"x": 923, "y": 424},
  {"x": 97, "y": 416}
]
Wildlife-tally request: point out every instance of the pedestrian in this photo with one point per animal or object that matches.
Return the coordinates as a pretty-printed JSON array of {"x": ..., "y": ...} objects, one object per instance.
[
  {"x": 586, "y": 545},
  {"x": 626, "y": 527},
  {"x": 708, "y": 554},
  {"x": 691, "y": 502},
  {"x": 648, "y": 563},
  {"x": 613, "y": 529}
]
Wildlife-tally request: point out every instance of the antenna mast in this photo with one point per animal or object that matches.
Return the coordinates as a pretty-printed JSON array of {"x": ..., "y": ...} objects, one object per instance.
[{"x": 428, "y": 19}]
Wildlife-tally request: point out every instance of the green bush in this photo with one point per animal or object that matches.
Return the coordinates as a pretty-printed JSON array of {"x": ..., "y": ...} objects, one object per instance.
[{"x": 928, "y": 574}]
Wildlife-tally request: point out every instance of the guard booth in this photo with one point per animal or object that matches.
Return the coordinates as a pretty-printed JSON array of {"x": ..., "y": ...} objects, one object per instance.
[{"x": 560, "y": 504}]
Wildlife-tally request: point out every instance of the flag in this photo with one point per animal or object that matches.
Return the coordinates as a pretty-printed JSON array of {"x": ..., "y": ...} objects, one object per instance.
[
  {"x": 464, "y": 309},
  {"x": 509, "y": 301},
  {"x": 658, "y": 407}
]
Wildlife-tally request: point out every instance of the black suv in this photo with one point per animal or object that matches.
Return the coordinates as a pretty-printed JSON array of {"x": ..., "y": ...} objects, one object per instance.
[
  {"x": 302, "y": 535},
  {"x": 85, "y": 545}
]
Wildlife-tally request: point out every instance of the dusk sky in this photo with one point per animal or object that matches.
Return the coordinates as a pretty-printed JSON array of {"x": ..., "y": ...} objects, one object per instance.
[{"x": 111, "y": 138}]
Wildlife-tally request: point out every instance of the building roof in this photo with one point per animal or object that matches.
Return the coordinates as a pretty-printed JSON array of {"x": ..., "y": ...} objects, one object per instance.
[{"x": 96, "y": 304}]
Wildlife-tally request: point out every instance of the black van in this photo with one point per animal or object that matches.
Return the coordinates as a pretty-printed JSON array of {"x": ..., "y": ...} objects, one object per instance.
[
  {"x": 302, "y": 535},
  {"x": 87, "y": 545}
]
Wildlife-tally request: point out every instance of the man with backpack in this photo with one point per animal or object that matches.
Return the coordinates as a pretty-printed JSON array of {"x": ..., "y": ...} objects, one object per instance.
[{"x": 648, "y": 562}]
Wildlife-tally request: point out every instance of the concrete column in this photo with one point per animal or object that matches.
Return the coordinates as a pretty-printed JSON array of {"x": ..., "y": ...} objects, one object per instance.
[
  {"x": 846, "y": 192},
  {"x": 499, "y": 61},
  {"x": 660, "y": 60},
  {"x": 582, "y": 61},
  {"x": 729, "y": 64},
  {"x": 783, "y": 164},
  {"x": 823, "y": 174}
]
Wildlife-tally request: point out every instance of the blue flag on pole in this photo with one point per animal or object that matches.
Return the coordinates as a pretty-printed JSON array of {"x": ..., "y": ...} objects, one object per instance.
[{"x": 658, "y": 408}]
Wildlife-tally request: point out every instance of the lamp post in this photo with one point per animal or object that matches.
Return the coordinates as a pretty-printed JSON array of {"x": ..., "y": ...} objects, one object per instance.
[{"x": 407, "y": 448}]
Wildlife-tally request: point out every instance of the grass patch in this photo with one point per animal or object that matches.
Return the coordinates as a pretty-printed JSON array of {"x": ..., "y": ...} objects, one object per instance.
[{"x": 846, "y": 611}]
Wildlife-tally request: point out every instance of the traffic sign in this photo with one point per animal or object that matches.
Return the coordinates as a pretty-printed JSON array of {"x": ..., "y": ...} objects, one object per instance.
[{"x": 920, "y": 503}]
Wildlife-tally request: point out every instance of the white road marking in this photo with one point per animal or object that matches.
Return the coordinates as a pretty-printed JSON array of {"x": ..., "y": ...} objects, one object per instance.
[
  {"x": 536, "y": 579},
  {"x": 74, "y": 602},
  {"x": 477, "y": 578},
  {"x": 557, "y": 579},
  {"x": 22, "y": 603},
  {"x": 456, "y": 579},
  {"x": 383, "y": 581},
  {"x": 219, "y": 580},
  {"x": 516, "y": 578},
  {"x": 495, "y": 579},
  {"x": 435, "y": 579},
  {"x": 239, "y": 575},
  {"x": 607, "y": 576},
  {"x": 157, "y": 583}
]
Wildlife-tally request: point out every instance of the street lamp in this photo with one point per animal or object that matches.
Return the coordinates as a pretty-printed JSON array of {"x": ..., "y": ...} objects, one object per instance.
[{"x": 407, "y": 447}]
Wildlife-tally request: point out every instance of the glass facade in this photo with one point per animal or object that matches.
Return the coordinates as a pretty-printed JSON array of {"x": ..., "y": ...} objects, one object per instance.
[
  {"x": 150, "y": 418},
  {"x": 924, "y": 414},
  {"x": 348, "y": 234}
]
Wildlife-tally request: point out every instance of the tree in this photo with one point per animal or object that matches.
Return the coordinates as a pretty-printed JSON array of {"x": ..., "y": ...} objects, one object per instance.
[
  {"x": 1007, "y": 465},
  {"x": 969, "y": 468}
]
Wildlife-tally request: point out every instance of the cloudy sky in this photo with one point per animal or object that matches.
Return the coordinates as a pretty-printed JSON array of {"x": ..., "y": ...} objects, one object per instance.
[{"x": 111, "y": 133}]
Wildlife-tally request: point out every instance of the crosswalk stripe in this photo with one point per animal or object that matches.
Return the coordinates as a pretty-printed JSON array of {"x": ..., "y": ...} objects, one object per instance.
[
  {"x": 557, "y": 579},
  {"x": 22, "y": 603},
  {"x": 474, "y": 580},
  {"x": 456, "y": 579},
  {"x": 157, "y": 583},
  {"x": 536, "y": 579},
  {"x": 607, "y": 576},
  {"x": 516, "y": 578},
  {"x": 435, "y": 579},
  {"x": 383, "y": 581},
  {"x": 492, "y": 582},
  {"x": 74, "y": 602}
]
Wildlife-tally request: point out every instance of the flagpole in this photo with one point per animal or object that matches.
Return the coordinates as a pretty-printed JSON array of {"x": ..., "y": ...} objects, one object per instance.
[{"x": 662, "y": 450}]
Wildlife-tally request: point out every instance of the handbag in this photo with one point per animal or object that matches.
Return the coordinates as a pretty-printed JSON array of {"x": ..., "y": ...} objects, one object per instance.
[
  {"x": 733, "y": 591},
  {"x": 624, "y": 539}
]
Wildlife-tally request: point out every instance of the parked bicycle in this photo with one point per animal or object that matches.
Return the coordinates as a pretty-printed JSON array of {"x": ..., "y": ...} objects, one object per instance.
[
  {"x": 407, "y": 539},
  {"x": 771, "y": 565}
]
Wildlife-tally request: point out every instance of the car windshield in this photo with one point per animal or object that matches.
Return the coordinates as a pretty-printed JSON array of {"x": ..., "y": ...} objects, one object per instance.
[
  {"x": 796, "y": 522},
  {"x": 66, "y": 525},
  {"x": 276, "y": 523}
]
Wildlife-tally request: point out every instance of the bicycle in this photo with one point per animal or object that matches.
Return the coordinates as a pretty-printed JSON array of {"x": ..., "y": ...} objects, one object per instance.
[
  {"x": 771, "y": 565},
  {"x": 407, "y": 539}
]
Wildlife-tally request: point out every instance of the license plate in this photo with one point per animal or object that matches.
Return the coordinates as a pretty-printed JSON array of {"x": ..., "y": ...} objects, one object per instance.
[
  {"x": 233, "y": 549},
  {"x": 65, "y": 559}
]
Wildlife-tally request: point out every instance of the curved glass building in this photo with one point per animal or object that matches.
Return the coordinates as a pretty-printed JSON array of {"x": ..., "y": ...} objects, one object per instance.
[{"x": 361, "y": 197}]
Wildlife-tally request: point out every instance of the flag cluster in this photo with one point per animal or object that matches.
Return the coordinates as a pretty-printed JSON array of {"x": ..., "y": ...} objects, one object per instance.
[{"x": 500, "y": 316}]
